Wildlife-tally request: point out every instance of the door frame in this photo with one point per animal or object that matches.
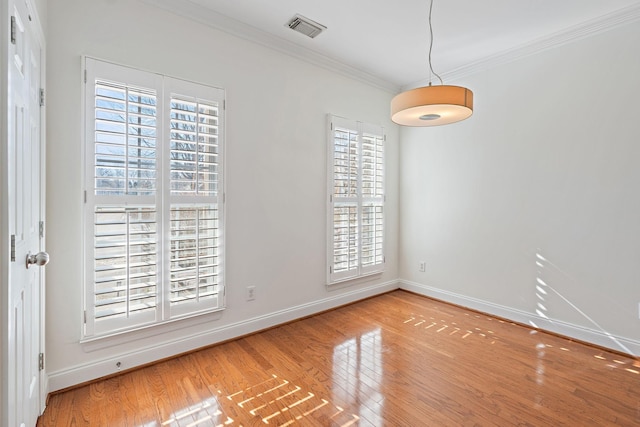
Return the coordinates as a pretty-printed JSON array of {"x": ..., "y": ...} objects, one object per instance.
[
  {"x": 39, "y": 33},
  {"x": 6, "y": 7},
  {"x": 5, "y": 245}
]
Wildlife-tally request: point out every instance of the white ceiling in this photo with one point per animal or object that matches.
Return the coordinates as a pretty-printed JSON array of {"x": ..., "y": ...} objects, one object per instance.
[{"x": 389, "y": 40}]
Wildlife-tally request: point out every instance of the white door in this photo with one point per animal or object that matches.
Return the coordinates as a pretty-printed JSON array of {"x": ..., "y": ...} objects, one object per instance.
[{"x": 24, "y": 181}]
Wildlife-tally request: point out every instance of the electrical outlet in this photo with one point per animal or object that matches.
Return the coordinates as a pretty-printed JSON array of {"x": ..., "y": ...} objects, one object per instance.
[
  {"x": 423, "y": 266},
  {"x": 251, "y": 293}
]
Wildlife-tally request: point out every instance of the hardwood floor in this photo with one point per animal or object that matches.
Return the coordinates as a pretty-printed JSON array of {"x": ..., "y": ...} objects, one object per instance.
[{"x": 394, "y": 360}]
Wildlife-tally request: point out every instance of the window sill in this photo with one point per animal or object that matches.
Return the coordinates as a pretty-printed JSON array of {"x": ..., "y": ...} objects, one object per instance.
[
  {"x": 349, "y": 281},
  {"x": 95, "y": 343}
]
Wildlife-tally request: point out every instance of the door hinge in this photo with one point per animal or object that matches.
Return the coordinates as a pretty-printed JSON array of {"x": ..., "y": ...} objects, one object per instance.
[
  {"x": 85, "y": 317},
  {"x": 330, "y": 270},
  {"x": 42, "y": 97},
  {"x": 85, "y": 196},
  {"x": 13, "y": 248},
  {"x": 13, "y": 30},
  {"x": 41, "y": 228},
  {"x": 85, "y": 75},
  {"x": 41, "y": 361}
]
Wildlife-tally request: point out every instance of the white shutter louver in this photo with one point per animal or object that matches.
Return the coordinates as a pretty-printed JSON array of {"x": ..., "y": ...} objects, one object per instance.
[
  {"x": 345, "y": 240},
  {"x": 345, "y": 163},
  {"x": 194, "y": 253},
  {"x": 372, "y": 235},
  {"x": 125, "y": 261},
  {"x": 194, "y": 148},
  {"x": 372, "y": 166},
  {"x": 125, "y": 140}
]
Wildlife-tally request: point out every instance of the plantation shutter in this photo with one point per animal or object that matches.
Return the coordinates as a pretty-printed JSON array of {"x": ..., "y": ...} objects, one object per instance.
[
  {"x": 372, "y": 206},
  {"x": 345, "y": 201},
  {"x": 154, "y": 214},
  {"x": 122, "y": 211},
  {"x": 356, "y": 199},
  {"x": 195, "y": 274}
]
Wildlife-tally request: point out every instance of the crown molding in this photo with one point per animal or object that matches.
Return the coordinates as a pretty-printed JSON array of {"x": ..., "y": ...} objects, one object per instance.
[
  {"x": 581, "y": 31},
  {"x": 208, "y": 17}
]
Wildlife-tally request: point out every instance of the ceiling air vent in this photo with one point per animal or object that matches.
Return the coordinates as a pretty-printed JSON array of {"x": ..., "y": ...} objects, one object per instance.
[{"x": 305, "y": 26}]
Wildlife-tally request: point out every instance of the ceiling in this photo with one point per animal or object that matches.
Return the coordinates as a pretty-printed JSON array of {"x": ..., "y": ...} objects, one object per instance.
[{"x": 389, "y": 40}]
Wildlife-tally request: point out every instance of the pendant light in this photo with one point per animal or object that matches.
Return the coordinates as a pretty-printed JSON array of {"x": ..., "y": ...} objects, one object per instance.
[{"x": 432, "y": 105}]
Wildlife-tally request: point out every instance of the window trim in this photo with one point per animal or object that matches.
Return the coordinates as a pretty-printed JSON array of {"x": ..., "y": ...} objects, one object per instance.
[
  {"x": 162, "y": 201},
  {"x": 359, "y": 200}
]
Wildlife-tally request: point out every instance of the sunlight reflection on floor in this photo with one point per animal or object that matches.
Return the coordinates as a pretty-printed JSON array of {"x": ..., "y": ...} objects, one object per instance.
[
  {"x": 207, "y": 412},
  {"x": 449, "y": 328},
  {"x": 275, "y": 401},
  {"x": 358, "y": 373}
]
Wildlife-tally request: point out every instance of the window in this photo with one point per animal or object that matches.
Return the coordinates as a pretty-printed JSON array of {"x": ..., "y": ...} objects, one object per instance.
[
  {"x": 356, "y": 199},
  {"x": 153, "y": 199}
]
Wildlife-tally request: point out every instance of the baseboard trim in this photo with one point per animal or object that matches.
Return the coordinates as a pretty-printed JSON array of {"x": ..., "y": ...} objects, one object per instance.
[
  {"x": 580, "y": 333},
  {"x": 84, "y": 373}
]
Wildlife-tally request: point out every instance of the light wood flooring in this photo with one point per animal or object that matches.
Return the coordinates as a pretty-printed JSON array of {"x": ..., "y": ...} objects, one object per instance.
[{"x": 394, "y": 360}]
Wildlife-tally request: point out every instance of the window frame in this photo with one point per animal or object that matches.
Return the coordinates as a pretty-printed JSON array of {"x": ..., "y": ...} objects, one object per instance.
[
  {"x": 162, "y": 311},
  {"x": 358, "y": 201}
]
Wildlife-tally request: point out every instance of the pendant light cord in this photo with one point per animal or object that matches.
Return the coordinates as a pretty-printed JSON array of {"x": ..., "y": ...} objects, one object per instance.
[{"x": 431, "y": 48}]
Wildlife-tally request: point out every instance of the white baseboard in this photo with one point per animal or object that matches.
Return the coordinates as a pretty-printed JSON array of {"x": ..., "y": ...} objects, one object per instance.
[
  {"x": 601, "y": 338},
  {"x": 69, "y": 377}
]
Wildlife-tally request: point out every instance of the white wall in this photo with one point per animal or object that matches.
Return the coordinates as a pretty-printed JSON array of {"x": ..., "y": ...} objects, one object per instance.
[
  {"x": 41, "y": 8},
  {"x": 276, "y": 174},
  {"x": 548, "y": 165}
]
